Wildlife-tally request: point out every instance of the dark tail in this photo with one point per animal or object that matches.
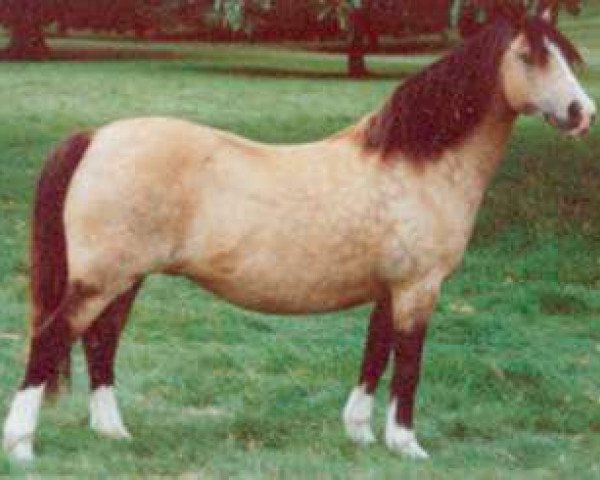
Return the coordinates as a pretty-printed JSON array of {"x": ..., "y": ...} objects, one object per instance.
[{"x": 48, "y": 246}]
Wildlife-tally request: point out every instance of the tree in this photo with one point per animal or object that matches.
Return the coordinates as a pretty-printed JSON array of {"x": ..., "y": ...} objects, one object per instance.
[
  {"x": 241, "y": 14},
  {"x": 353, "y": 17},
  {"x": 366, "y": 20},
  {"x": 361, "y": 20},
  {"x": 468, "y": 15},
  {"x": 27, "y": 19},
  {"x": 358, "y": 28},
  {"x": 118, "y": 16},
  {"x": 245, "y": 15}
]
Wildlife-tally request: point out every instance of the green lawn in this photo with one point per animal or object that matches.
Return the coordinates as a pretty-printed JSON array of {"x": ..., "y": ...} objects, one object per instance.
[{"x": 510, "y": 386}]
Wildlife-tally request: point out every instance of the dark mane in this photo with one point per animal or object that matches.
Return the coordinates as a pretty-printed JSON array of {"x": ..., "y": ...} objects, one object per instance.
[{"x": 440, "y": 106}]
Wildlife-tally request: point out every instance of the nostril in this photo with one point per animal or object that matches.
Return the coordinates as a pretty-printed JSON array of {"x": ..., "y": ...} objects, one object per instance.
[{"x": 574, "y": 111}]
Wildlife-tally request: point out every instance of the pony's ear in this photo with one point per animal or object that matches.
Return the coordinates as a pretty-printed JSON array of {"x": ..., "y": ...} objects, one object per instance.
[
  {"x": 546, "y": 15},
  {"x": 514, "y": 12}
]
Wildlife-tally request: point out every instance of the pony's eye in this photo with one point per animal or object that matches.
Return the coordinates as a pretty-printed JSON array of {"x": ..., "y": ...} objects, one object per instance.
[{"x": 526, "y": 58}]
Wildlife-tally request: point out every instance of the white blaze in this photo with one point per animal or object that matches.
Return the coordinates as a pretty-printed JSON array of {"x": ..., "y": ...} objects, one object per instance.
[{"x": 559, "y": 89}]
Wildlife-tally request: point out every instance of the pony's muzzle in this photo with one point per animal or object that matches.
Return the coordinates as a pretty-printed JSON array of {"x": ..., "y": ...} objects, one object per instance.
[
  {"x": 583, "y": 126},
  {"x": 577, "y": 121},
  {"x": 581, "y": 117}
]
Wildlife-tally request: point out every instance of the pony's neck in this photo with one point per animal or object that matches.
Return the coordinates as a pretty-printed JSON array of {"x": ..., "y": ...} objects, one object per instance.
[
  {"x": 464, "y": 171},
  {"x": 482, "y": 152}
]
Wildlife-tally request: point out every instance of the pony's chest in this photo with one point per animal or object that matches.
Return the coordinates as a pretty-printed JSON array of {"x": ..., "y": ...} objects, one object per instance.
[{"x": 422, "y": 236}]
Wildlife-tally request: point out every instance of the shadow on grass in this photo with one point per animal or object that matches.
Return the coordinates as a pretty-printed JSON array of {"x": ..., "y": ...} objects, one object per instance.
[
  {"x": 406, "y": 47},
  {"x": 258, "y": 71},
  {"x": 96, "y": 54}
]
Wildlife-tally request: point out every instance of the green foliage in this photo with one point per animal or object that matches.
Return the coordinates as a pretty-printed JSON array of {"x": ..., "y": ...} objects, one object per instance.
[
  {"x": 26, "y": 20},
  {"x": 339, "y": 11},
  {"x": 481, "y": 9},
  {"x": 232, "y": 12},
  {"x": 100, "y": 14},
  {"x": 241, "y": 14}
]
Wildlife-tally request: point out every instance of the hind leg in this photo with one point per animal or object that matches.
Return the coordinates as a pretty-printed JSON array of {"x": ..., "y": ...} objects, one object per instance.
[
  {"x": 100, "y": 342},
  {"x": 48, "y": 348},
  {"x": 359, "y": 407}
]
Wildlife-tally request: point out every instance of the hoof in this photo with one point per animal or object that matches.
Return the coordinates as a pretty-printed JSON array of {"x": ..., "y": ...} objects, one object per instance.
[
  {"x": 360, "y": 433},
  {"x": 405, "y": 444},
  {"x": 110, "y": 430},
  {"x": 402, "y": 440},
  {"x": 19, "y": 450},
  {"x": 21, "y": 422},
  {"x": 105, "y": 418},
  {"x": 357, "y": 416}
]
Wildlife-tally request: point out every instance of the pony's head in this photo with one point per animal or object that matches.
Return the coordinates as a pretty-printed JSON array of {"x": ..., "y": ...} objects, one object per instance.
[
  {"x": 521, "y": 60},
  {"x": 536, "y": 76}
]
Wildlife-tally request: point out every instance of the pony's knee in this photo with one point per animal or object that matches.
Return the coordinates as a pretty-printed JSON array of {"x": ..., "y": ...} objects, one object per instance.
[{"x": 86, "y": 301}]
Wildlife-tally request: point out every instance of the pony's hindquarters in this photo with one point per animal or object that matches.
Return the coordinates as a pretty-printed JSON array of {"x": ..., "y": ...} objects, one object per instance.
[
  {"x": 60, "y": 302},
  {"x": 50, "y": 337}
]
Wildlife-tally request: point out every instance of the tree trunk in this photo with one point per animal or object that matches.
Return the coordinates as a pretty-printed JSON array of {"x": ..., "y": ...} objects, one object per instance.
[
  {"x": 373, "y": 39},
  {"x": 467, "y": 24},
  {"x": 356, "y": 45},
  {"x": 27, "y": 42}
]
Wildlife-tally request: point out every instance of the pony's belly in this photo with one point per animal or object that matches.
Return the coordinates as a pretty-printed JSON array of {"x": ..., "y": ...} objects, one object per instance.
[
  {"x": 282, "y": 302},
  {"x": 287, "y": 293}
]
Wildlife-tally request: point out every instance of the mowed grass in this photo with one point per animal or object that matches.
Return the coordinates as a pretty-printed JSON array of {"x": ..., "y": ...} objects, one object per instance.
[{"x": 510, "y": 386}]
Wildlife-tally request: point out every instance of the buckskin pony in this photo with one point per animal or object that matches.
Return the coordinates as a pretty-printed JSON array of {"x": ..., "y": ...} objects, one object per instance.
[{"x": 380, "y": 212}]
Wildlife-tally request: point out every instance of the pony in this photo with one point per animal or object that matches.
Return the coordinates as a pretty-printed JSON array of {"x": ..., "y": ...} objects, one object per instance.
[{"x": 380, "y": 212}]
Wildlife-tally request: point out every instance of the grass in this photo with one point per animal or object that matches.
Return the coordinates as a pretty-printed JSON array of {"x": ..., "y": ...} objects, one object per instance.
[{"x": 510, "y": 385}]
